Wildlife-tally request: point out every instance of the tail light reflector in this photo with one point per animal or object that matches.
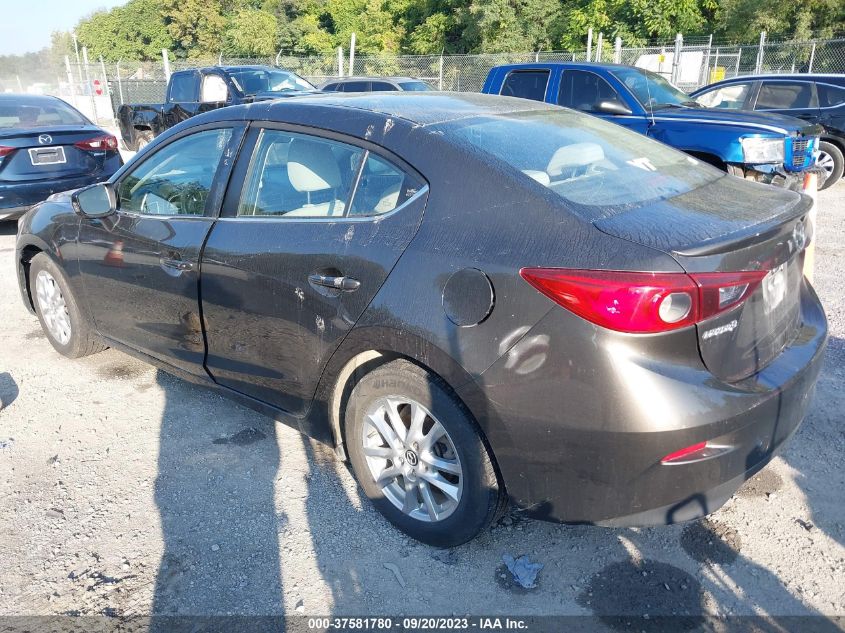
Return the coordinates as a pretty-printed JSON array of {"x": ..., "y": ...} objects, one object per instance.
[
  {"x": 642, "y": 303},
  {"x": 5, "y": 150},
  {"x": 98, "y": 143},
  {"x": 684, "y": 452}
]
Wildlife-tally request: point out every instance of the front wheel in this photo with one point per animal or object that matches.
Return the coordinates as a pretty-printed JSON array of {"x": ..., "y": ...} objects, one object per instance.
[
  {"x": 832, "y": 161},
  {"x": 58, "y": 311},
  {"x": 419, "y": 456}
]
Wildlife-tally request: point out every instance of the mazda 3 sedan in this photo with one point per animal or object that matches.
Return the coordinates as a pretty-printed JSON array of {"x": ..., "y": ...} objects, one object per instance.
[
  {"x": 477, "y": 300},
  {"x": 47, "y": 146}
]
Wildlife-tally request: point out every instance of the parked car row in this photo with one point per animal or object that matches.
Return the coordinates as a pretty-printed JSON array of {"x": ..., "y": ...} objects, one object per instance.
[{"x": 480, "y": 300}]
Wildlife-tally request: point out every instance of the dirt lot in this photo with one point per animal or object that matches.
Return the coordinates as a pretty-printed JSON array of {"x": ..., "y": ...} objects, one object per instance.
[{"x": 124, "y": 491}]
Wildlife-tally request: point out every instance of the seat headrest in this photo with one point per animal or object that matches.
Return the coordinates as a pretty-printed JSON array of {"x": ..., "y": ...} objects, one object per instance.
[
  {"x": 312, "y": 166},
  {"x": 575, "y": 155}
]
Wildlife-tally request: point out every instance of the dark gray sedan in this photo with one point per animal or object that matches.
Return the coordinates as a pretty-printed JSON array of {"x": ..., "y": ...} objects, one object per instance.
[{"x": 476, "y": 299}]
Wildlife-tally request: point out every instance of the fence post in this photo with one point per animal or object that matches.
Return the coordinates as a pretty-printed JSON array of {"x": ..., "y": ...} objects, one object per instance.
[
  {"x": 440, "y": 75},
  {"x": 166, "y": 60},
  {"x": 108, "y": 88},
  {"x": 70, "y": 80},
  {"x": 738, "y": 57},
  {"x": 119, "y": 82},
  {"x": 706, "y": 78},
  {"x": 352, "y": 55},
  {"x": 598, "y": 46},
  {"x": 279, "y": 55},
  {"x": 617, "y": 51},
  {"x": 78, "y": 61},
  {"x": 589, "y": 43},
  {"x": 340, "y": 61},
  {"x": 676, "y": 57},
  {"x": 759, "y": 67},
  {"x": 812, "y": 57},
  {"x": 88, "y": 83}
]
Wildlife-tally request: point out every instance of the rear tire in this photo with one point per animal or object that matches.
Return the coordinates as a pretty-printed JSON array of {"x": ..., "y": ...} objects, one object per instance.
[
  {"x": 438, "y": 482},
  {"x": 832, "y": 161},
  {"x": 58, "y": 311}
]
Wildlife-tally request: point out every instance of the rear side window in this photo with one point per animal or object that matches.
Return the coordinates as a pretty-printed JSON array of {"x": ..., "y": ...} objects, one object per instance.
[
  {"x": 528, "y": 84},
  {"x": 830, "y": 96},
  {"x": 183, "y": 87},
  {"x": 356, "y": 86},
  {"x": 382, "y": 85},
  {"x": 414, "y": 86},
  {"x": 331, "y": 87},
  {"x": 296, "y": 175},
  {"x": 588, "y": 162},
  {"x": 730, "y": 97},
  {"x": 581, "y": 90},
  {"x": 783, "y": 95},
  {"x": 382, "y": 187}
]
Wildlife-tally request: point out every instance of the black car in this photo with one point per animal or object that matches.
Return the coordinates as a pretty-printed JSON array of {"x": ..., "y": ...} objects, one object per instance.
[
  {"x": 587, "y": 323},
  {"x": 375, "y": 84},
  {"x": 197, "y": 90},
  {"x": 815, "y": 98},
  {"x": 48, "y": 146}
]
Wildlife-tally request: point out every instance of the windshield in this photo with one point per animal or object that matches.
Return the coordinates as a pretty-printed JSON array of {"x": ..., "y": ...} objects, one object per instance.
[
  {"x": 414, "y": 86},
  {"x": 254, "y": 81},
  {"x": 653, "y": 91},
  {"x": 584, "y": 160},
  {"x": 29, "y": 113}
]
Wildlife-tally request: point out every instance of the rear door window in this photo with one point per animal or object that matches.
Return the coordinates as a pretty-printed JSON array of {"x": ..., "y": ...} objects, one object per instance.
[
  {"x": 730, "y": 97},
  {"x": 831, "y": 96},
  {"x": 527, "y": 84},
  {"x": 382, "y": 187},
  {"x": 382, "y": 85},
  {"x": 582, "y": 90},
  {"x": 785, "y": 95},
  {"x": 331, "y": 87},
  {"x": 356, "y": 86},
  {"x": 183, "y": 88}
]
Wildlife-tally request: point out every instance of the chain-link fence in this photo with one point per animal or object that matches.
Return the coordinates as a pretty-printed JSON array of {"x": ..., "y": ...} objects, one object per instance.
[{"x": 100, "y": 88}]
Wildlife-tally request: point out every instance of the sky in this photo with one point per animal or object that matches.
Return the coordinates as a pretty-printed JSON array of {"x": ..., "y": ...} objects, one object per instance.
[{"x": 26, "y": 24}]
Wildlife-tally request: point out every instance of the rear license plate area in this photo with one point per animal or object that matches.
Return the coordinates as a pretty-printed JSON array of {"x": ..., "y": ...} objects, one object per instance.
[
  {"x": 47, "y": 155},
  {"x": 775, "y": 287}
]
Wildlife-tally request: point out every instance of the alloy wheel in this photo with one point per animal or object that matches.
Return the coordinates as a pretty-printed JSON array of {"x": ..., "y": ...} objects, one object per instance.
[
  {"x": 825, "y": 161},
  {"x": 51, "y": 304},
  {"x": 412, "y": 458}
]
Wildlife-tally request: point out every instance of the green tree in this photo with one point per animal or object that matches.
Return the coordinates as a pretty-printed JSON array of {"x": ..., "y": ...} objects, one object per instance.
[
  {"x": 196, "y": 26},
  {"x": 134, "y": 31},
  {"x": 251, "y": 33}
]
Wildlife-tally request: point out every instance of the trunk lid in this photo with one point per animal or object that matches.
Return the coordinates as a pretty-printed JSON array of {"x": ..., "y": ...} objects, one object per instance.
[
  {"x": 732, "y": 225},
  {"x": 49, "y": 153}
]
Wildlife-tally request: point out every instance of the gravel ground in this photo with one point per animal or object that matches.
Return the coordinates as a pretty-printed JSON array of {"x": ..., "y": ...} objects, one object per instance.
[{"x": 126, "y": 491}]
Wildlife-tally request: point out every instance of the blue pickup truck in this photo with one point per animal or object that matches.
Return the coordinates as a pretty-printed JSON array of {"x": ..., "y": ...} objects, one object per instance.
[{"x": 769, "y": 148}]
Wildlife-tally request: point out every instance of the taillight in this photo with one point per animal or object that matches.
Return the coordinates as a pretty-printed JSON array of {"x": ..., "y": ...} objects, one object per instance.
[
  {"x": 98, "y": 143},
  {"x": 684, "y": 452},
  {"x": 642, "y": 303},
  {"x": 5, "y": 150}
]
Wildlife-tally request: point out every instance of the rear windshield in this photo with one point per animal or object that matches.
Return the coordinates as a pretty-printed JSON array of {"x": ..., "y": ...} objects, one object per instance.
[
  {"x": 586, "y": 161},
  {"x": 256, "y": 80},
  {"x": 42, "y": 113},
  {"x": 414, "y": 86}
]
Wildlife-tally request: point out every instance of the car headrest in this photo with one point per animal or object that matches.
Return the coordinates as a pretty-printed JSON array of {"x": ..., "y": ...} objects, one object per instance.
[
  {"x": 312, "y": 166},
  {"x": 575, "y": 155},
  {"x": 540, "y": 176}
]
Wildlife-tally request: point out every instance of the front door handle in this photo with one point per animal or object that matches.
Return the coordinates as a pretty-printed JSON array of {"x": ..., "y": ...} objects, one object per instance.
[
  {"x": 347, "y": 284},
  {"x": 176, "y": 264}
]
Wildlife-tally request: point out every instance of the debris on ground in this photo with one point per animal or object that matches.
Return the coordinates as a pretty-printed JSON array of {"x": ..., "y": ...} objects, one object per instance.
[{"x": 523, "y": 570}]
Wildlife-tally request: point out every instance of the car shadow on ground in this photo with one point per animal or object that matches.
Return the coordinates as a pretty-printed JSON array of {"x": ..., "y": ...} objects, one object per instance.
[{"x": 223, "y": 503}]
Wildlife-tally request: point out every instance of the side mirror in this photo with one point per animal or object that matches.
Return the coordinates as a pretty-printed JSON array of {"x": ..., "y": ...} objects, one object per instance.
[
  {"x": 612, "y": 107},
  {"x": 96, "y": 201}
]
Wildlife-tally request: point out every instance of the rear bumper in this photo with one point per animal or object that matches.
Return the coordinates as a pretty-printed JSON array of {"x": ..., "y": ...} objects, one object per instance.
[
  {"x": 17, "y": 197},
  {"x": 590, "y": 429}
]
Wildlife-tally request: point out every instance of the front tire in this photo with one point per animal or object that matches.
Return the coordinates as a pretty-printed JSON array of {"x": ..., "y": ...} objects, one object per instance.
[
  {"x": 832, "y": 161},
  {"x": 58, "y": 312},
  {"x": 420, "y": 457}
]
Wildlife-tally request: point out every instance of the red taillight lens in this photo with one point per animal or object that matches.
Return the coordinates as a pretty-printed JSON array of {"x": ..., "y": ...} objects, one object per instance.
[
  {"x": 684, "y": 452},
  {"x": 98, "y": 143},
  {"x": 5, "y": 150},
  {"x": 643, "y": 303}
]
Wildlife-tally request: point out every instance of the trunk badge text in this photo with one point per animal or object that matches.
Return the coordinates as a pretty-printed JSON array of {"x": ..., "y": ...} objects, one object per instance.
[{"x": 722, "y": 329}]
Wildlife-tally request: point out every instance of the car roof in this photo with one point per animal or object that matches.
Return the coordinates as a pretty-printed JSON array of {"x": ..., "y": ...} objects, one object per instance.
[
  {"x": 587, "y": 65},
  {"x": 836, "y": 78},
  {"x": 417, "y": 109},
  {"x": 23, "y": 99}
]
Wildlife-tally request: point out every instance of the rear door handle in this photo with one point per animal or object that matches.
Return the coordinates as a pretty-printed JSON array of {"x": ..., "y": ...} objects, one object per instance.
[
  {"x": 347, "y": 284},
  {"x": 176, "y": 264}
]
